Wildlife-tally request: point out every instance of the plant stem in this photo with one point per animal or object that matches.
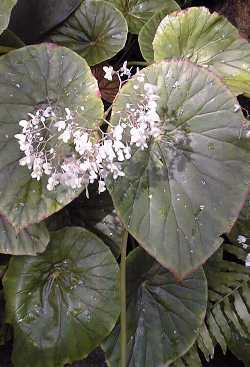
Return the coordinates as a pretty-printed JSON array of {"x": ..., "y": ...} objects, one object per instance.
[
  {"x": 123, "y": 339},
  {"x": 138, "y": 63}
]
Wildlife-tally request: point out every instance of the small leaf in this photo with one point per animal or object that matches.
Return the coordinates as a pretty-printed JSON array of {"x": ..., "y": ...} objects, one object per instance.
[
  {"x": 179, "y": 195},
  {"x": 147, "y": 33},
  {"x": 206, "y": 39},
  {"x": 138, "y": 12},
  {"x": 6, "y": 7},
  {"x": 96, "y": 31},
  {"x": 30, "y": 78},
  {"x": 30, "y": 241},
  {"x": 163, "y": 316},
  {"x": 64, "y": 302}
]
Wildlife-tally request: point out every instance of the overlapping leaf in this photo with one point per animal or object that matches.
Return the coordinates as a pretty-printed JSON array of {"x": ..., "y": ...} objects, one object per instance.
[
  {"x": 64, "y": 302},
  {"x": 42, "y": 16},
  {"x": 138, "y": 12},
  {"x": 97, "y": 31},
  {"x": 207, "y": 39},
  {"x": 179, "y": 196},
  {"x": 30, "y": 241},
  {"x": 30, "y": 78},
  {"x": 228, "y": 313},
  {"x": 147, "y": 32},
  {"x": 6, "y": 7},
  {"x": 163, "y": 316}
]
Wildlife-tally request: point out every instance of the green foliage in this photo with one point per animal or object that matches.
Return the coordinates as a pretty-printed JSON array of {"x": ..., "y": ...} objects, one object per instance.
[
  {"x": 138, "y": 12},
  {"x": 163, "y": 316},
  {"x": 147, "y": 32},
  {"x": 173, "y": 197},
  {"x": 30, "y": 241},
  {"x": 227, "y": 321},
  {"x": 65, "y": 302},
  {"x": 6, "y": 7},
  {"x": 209, "y": 40},
  {"x": 29, "y": 78},
  {"x": 96, "y": 31},
  {"x": 179, "y": 195}
]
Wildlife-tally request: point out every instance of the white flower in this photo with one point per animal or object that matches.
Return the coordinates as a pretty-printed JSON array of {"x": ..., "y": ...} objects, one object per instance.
[
  {"x": 101, "y": 186},
  {"x": 241, "y": 239},
  {"x": 60, "y": 125},
  {"x": 127, "y": 152},
  {"x": 68, "y": 114},
  {"x": 109, "y": 71},
  {"x": 124, "y": 70},
  {"x": 65, "y": 136},
  {"x": 247, "y": 261},
  {"x": 117, "y": 132}
]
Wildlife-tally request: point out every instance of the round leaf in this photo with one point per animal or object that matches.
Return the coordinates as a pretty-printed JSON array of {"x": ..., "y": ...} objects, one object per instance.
[
  {"x": 6, "y": 7},
  {"x": 30, "y": 77},
  {"x": 97, "y": 31},
  {"x": 147, "y": 33},
  {"x": 138, "y": 12},
  {"x": 185, "y": 190},
  {"x": 163, "y": 316},
  {"x": 30, "y": 241},
  {"x": 64, "y": 302},
  {"x": 207, "y": 39},
  {"x": 42, "y": 15}
]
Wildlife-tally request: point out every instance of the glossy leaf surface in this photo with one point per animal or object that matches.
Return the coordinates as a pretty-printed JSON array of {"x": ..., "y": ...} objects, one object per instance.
[
  {"x": 64, "y": 302},
  {"x": 30, "y": 78},
  {"x": 147, "y": 33},
  {"x": 207, "y": 39},
  {"x": 138, "y": 12},
  {"x": 163, "y": 316},
  {"x": 6, "y": 7},
  {"x": 43, "y": 15},
  {"x": 96, "y": 31},
  {"x": 179, "y": 195},
  {"x": 30, "y": 241}
]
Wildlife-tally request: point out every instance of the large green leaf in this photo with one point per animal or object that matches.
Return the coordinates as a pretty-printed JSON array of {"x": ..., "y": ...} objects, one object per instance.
[
  {"x": 6, "y": 7},
  {"x": 97, "y": 214},
  {"x": 31, "y": 77},
  {"x": 147, "y": 33},
  {"x": 182, "y": 193},
  {"x": 207, "y": 39},
  {"x": 42, "y": 16},
  {"x": 30, "y": 241},
  {"x": 64, "y": 302},
  {"x": 138, "y": 12},
  {"x": 97, "y": 31},
  {"x": 163, "y": 316}
]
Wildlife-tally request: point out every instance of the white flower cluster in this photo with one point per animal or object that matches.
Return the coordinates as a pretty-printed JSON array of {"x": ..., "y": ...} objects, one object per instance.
[{"x": 68, "y": 154}]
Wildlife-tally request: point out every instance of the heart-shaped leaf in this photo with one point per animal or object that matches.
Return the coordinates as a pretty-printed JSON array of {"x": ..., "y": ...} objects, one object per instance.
[
  {"x": 147, "y": 33},
  {"x": 30, "y": 241},
  {"x": 30, "y": 78},
  {"x": 163, "y": 316},
  {"x": 6, "y": 7},
  {"x": 97, "y": 31},
  {"x": 138, "y": 12},
  {"x": 43, "y": 15},
  {"x": 207, "y": 39},
  {"x": 185, "y": 190},
  {"x": 64, "y": 302}
]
